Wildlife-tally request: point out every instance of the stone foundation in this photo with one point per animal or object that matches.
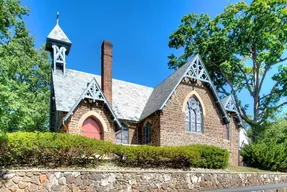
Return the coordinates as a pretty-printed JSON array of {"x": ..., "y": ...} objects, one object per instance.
[{"x": 71, "y": 181}]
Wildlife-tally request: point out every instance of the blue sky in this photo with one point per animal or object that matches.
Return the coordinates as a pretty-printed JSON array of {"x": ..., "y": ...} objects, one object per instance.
[{"x": 138, "y": 29}]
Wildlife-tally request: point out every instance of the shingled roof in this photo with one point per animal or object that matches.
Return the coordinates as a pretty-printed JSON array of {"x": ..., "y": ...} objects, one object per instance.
[{"x": 129, "y": 99}]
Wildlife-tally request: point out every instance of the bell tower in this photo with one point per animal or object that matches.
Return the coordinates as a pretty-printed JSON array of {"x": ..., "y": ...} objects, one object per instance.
[{"x": 59, "y": 45}]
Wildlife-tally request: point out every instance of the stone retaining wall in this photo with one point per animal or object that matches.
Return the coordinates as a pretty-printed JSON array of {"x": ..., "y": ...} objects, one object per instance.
[{"x": 47, "y": 180}]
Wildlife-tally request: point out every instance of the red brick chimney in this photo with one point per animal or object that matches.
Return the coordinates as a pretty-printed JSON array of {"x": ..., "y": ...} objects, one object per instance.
[{"x": 107, "y": 56}]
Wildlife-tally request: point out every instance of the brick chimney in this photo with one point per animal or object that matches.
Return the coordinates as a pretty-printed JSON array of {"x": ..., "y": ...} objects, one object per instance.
[{"x": 107, "y": 56}]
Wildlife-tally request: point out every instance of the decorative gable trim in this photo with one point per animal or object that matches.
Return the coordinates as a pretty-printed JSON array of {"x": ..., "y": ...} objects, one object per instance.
[
  {"x": 229, "y": 104},
  {"x": 197, "y": 71},
  {"x": 93, "y": 92}
]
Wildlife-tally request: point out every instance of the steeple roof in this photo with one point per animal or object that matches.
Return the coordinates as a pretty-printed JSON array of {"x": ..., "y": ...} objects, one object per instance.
[
  {"x": 58, "y": 34},
  {"x": 58, "y": 37}
]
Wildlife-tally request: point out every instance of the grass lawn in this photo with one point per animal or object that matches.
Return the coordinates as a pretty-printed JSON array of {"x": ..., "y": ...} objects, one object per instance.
[{"x": 247, "y": 169}]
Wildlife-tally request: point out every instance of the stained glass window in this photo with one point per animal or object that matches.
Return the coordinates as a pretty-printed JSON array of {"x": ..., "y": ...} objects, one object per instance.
[{"x": 193, "y": 116}]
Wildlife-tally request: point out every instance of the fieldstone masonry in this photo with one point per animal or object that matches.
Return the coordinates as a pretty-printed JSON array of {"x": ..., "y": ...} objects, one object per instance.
[{"x": 125, "y": 181}]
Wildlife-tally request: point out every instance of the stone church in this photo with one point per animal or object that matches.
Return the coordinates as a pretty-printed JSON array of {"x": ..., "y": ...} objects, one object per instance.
[{"x": 183, "y": 109}]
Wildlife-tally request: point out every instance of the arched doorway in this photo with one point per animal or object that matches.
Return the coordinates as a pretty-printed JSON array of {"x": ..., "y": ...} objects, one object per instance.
[{"x": 92, "y": 128}]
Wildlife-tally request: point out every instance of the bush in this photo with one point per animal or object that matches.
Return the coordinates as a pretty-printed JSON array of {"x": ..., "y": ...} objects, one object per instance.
[
  {"x": 269, "y": 149},
  {"x": 54, "y": 150},
  {"x": 271, "y": 156},
  {"x": 211, "y": 157},
  {"x": 176, "y": 157},
  {"x": 51, "y": 149}
]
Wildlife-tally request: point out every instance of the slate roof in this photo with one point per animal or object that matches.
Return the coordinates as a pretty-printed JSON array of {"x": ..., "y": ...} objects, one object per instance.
[
  {"x": 129, "y": 99},
  {"x": 163, "y": 91},
  {"x": 58, "y": 34}
]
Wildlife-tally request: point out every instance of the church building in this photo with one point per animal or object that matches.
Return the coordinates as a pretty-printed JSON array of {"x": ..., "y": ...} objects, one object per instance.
[{"x": 183, "y": 109}]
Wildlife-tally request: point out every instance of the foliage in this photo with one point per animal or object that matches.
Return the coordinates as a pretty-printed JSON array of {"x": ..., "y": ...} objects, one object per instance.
[
  {"x": 269, "y": 151},
  {"x": 177, "y": 157},
  {"x": 24, "y": 73},
  {"x": 54, "y": 150},
  {"x": 240, "y": 47},
  {"x": 270, "y": 156},
  {"x": 51, "y": 149}
]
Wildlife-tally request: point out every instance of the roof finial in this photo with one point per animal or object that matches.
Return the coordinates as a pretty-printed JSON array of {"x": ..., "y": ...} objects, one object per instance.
[{"x": 57, "y": 18}]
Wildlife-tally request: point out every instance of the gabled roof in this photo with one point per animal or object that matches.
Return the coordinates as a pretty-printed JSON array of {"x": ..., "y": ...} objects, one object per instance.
[
  {"x": 93, "y": 92},
  {"x": 194, "y": 69},
  {"x": 162, "y": 92},
  {"x": 129, "y": 99}
]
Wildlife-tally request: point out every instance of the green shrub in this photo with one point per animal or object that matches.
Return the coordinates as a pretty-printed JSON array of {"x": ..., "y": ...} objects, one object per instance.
[
  {"x": 176, "y": 157},
  {"x": 54, "y": 150},
  {"x": 269, "y": 149},
  {"x": 271, "y": 156},
  {"x": 211, "y": 157},
  {"x": 51, "y": 149}
]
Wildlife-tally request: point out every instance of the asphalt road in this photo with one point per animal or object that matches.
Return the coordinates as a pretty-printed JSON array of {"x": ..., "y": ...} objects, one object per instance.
[{"x": 251, "y": 188}]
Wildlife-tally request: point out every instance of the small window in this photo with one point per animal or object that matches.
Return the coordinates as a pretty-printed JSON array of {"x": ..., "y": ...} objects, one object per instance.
[
  {"x": 227, "y": 132},
  {"x": 147, "y": 133},
  {"x": 122, "y": 135},
  {"x": 193, "y": 116}
]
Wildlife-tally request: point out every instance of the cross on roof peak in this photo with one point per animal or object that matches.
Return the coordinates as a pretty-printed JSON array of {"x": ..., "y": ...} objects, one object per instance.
[{"x": 57, "y": 18}]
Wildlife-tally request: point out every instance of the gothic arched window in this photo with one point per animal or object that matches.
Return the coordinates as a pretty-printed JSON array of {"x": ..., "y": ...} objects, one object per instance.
[{"x": 193, "y": 116}]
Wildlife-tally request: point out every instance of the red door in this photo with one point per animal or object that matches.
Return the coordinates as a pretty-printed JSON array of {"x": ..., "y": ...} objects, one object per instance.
[{"x": 92, "y": 129}]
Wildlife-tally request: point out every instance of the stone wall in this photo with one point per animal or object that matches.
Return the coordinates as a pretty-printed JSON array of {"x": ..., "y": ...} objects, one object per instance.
[
  {"x": 125, "y": 181},
  {"x": 172, "y": 130}
]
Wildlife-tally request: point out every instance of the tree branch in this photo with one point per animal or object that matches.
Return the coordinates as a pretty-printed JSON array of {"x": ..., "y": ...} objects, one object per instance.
[
  {"x": 246, "y": 80},
  {"x": 281, "y": 60},
  {"x": 271, "y": 92},
  {"x": 271, "y": 108},
  {"x": 263, "y": 77},
  {"x": 241, "y": 111}
]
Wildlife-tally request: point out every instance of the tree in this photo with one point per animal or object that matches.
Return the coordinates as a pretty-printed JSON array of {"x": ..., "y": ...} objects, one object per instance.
[
  {"x": 24, "y": 73},
  {"x": 239, "y": 48}
]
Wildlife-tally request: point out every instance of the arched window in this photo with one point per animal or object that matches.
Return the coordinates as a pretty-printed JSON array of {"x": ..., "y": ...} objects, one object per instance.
[
  {"x": 193, "y": 116},
  {"x": 147, "y": 133},
  {"x": 122, "y": 135}
]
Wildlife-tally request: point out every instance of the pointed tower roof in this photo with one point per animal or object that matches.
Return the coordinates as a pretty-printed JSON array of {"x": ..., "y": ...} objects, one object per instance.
[{"x": 57, "y": 36}]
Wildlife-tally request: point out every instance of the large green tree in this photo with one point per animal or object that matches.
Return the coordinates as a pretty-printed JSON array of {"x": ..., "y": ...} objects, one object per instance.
[
  {"x": 239, "y": 48},
  {"x": 24, "y": 73}
]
